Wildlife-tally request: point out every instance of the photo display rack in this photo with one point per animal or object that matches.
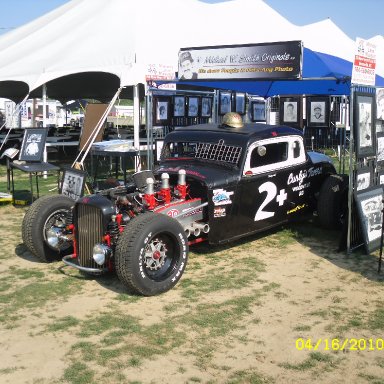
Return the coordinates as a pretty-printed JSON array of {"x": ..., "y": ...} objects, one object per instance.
[
  {"x": 182, "y": 108},
  {"x": 366, "y": 185}
]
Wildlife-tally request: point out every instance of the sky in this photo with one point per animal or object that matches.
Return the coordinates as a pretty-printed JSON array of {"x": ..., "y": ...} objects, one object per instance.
[{"x": 356, "y": 18}]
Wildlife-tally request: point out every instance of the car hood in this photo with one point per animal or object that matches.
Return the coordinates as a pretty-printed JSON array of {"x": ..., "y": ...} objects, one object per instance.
[{"x": 211, "y": 175}]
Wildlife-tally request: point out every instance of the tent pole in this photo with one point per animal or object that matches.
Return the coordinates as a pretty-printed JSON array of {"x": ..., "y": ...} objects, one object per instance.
[
  {"x": 45, "y": 154},
  {"x": 33, "y": 122},
  {"x": 136, "y": 123},
  {"x": 215, "y": 112},
  {"x": 19, "y": 117},
  {"x": 351, "y": 150},
  {"x": 149, "y": 122},
  {"x": 44, "y": 105}
]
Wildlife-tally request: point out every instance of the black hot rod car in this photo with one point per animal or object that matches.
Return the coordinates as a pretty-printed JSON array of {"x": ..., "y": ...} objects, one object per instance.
[{"x": 214, "y": 183}]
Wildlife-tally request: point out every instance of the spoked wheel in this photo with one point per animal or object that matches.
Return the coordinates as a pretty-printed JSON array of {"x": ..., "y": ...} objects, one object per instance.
[
  {"x": 45, "y": 219},
  {"x": 151, "y": 254}
]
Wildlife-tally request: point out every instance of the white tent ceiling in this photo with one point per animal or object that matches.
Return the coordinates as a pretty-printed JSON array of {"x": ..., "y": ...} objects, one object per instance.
[
  {"x": 122, "y": 38},
  {"x": 379, "y": 42}
]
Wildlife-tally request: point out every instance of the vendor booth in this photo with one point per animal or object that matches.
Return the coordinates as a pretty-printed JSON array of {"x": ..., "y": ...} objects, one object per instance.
[{"x": 55, "y": 55}]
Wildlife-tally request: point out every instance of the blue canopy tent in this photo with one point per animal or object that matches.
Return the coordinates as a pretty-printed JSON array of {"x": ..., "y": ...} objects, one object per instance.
[{"x": 322, "y": 74}]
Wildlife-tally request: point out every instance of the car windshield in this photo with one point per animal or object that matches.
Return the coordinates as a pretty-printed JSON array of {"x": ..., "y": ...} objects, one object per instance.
[{"x": 218, "y": 152}]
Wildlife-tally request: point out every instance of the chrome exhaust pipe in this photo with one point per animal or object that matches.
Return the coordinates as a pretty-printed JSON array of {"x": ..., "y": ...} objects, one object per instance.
[
  {"x": 196, "y": 231},
  {"x": 202, "y": 226}
]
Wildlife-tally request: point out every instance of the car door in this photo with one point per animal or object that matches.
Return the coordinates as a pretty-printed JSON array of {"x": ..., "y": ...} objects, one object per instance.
[{"x": 273, "y": 185}]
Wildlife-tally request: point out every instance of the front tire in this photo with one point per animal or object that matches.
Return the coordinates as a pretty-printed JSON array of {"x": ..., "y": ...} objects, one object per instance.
[
  {"x": 151, "y": 254},
  {"x": 44, "y": 213}
]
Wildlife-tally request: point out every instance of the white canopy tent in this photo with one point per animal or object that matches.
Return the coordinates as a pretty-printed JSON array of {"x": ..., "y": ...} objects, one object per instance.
[
  {"x": 90, "y": 48},
  {"x": 123, "y": 39},
  {"x": 379, "y": 42}
]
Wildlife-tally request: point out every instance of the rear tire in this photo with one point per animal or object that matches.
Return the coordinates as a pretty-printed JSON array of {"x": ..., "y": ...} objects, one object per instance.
[
  {"x": 151, "y": 254},
  {"x": 44, "y": 213},
  {"x": 332, "y": 205}
]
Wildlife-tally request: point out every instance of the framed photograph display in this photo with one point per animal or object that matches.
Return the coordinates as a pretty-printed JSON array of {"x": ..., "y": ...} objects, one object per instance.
[
  {"x": 258, "y": 110},
  {"x": 161, "y": 110},
  {"x": 363, "y": 178},
  {"x": 32, "y": 147},
  {"x": 364, "y": 112},
  {"x": 369, "y": 207},
  {"x": 240, "y": 102},
  {"x": 178, "y": 106},
  {"x": 380, "y": 103},
  {"x": 318, "y": 111},
  {"x": 380, "y": 148},
  {"x": 72, "y": 183},
  {"x": 193, "y": 106},
  {"x": 225, "y": 102},
  {"x": 158, "y": 148},
  {"x": 335, "y": 109},
  {"x": 206, "y": 106},
  {"x": 379, "y": 126},
  {"x": 10, "y": 153},
  {"x": 290, "y": 111},
  {"x": 380, "y": 178}
]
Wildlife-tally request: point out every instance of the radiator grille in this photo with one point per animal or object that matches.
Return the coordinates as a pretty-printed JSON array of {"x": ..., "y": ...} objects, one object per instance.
[{"x": 89, "y": 231}]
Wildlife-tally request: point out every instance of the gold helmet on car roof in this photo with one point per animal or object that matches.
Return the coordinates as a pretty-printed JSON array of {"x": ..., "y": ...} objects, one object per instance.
[{"x": 233, "y": 119}]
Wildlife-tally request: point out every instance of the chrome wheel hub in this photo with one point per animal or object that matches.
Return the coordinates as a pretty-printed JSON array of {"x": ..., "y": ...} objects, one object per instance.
[{"x": 155, "y": 255}]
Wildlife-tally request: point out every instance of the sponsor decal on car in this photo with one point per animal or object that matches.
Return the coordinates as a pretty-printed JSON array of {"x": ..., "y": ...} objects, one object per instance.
[
  {"x": 221, "y": 197},
  {"x": 301, "y": 176},
  {"x": 173, "y": 212},
  {"x": 297, "y": 208},
  {"x": 219, "y": 212}
]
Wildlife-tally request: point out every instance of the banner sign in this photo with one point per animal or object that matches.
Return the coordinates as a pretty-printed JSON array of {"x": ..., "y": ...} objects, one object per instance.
[
  {"x": 10, "y": 114},
  {"x": 160, "y": 72},
  {"x": 277, "y": 61},
  {"x": 364, "y": 64}
]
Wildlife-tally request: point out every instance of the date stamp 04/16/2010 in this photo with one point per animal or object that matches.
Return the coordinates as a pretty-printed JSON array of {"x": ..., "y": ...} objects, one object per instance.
[{"x": 350, "y": 344}]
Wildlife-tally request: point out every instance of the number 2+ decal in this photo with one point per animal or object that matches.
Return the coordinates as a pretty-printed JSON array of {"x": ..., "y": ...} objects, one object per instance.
[{"x": 271, "y": 190}]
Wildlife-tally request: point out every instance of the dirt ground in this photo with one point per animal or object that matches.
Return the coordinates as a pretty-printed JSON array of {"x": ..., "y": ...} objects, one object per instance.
[{"x": 240, "y": 314}]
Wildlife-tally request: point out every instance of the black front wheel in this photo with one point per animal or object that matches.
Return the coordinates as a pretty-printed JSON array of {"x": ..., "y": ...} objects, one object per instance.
[
  {"x": 45, "y": 214},
  {"x": 151, "y": 254}
]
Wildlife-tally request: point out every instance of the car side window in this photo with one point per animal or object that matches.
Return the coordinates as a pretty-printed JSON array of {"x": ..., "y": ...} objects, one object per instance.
[
  {"x": 296, "y": 149},
  {"x": 273, "y": 154}
]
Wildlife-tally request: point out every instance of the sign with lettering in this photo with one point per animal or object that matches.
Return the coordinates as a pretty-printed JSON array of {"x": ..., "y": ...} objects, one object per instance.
[
  {"x": 266, "y": 61},
  {"x": 364, "y": 63},
  {"x": 160, "y": 72}
]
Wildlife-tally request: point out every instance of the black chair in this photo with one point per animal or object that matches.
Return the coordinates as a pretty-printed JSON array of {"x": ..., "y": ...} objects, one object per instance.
[{"x": 30, "y": 159}]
